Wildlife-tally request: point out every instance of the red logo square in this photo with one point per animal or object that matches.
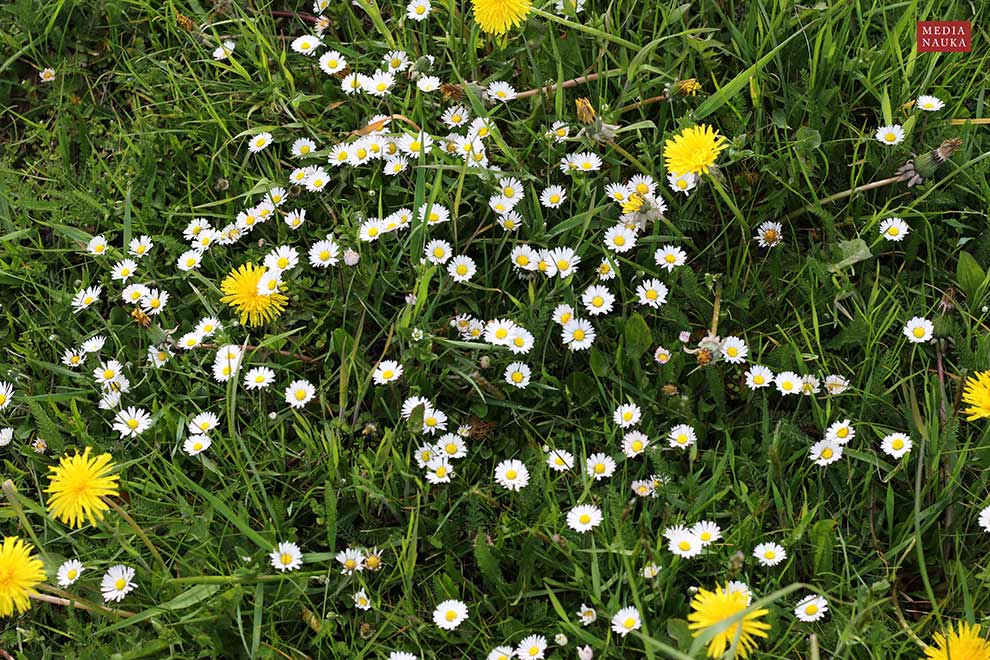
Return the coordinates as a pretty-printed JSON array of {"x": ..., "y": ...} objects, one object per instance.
[{"x": 944, "y": 37}]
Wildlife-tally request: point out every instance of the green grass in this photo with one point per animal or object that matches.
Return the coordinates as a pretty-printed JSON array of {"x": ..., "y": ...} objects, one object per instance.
[{"x": 142, "y": 131}]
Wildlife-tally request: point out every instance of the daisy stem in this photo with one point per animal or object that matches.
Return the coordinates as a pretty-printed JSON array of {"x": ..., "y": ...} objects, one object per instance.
[
  {"x": 140, "y": 532},
  {"x": 584, "y": 28},
  {"x": 10, "y": 492},
  {"x": 72, "y": 601}
]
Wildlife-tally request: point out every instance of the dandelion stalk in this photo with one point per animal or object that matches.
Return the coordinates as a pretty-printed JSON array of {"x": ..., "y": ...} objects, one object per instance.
[
  {"x": 10, "y": 492},
  {"x": 140, "y": 532},
  {"x": 550, "y": 88},
  {"x": 68, "y": 600}
]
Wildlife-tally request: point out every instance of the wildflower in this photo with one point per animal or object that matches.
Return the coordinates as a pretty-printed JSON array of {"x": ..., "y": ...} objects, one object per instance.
[
  {"x": 512, "y": 475},
  {"x": 681, "y": 436},
  {"x": 499, "y": 16},
  {"x": 840, "y": 432},
  {"x": 117, "y": 583},
  {"x": 769, "y": 554},
  {"x": 661, "y": 355},
  {"x": 351, "y": 561},
  {"x": 787, "y": 382},
  {"x": 587, "y": 615},
  {"x": 634, "y": 443},
  {"x": 734, "y": 350},
  {"x": 241, "y": 292},
  {"x": 643, "y": 488},
  {"x": 565, "y": 260},
  {"x": 196, "y": 443},
  {"x": 532, "y": 647},
  {"x": 20, "y": 573},
  {"x": 670, "y": 257},
  {"x": 418, "y": 10},
  {"x": 47, "y": 75},
  {"x": 560, "y": 460},
  {"x": 132, "y": 422},
  {"x": 558, "y": 131},
  {"x": 140, "y": 246},
  {"x": 682, "y": 542},
  {"x": 584, "y": 518},
  {"x": 93, "y": 344},
  {"x": 452, "y": 446},
  {"x": 259, "y": 142},
  {"x": 154, "y": 301},
  {"x": 707, "y": 531},
  {"x": 984, "y": 519},
  {"x": 286, "y": 557},
  {"x": 976, "y": 392},
  {"x": 85, "y": 298},
  {"x": 710, "y": 608},
  {"x": 769, "y": 234},
  {"x": 597, "y": 300},
  {"x": 578, "y": 334},
  {"x": 811, "y": 608},
  {"x": 386, "y": 372},
  {"x": 6, "y": 435},
  {"x": 324, "y": 253},
  {"x": 835, "y": 384},
  {"x": 553, "y": 196},
  {"x": 694, "y": 150},
  {"x": 652, "y": 293},
  {"x": 299, "y": 393},
  {"x": 825, "y": 452},
  {"x": 306, "y": 44},
  {"x": 600, "y": 466},
  {"x": 585, "y": 111},
  {"x": 501, "y": 91},
  {"x": 810, "y": 385},
  {"x": 626, "y": 620},
  {"x": 929, "y": 103},
  {"x": 78, "y": 486},
  {"x": 97, "y": 245},
  {"x": 449, "y": 614},
  {"x": 439, "y": 470},
  {"x": 69, "y": 572},
  {"x": 684, "y": 183},
  {"x": 919, "y": 330},
  {"x": 894, "y": 229},
  {"x": 890, "y": 135},
  {"x": 124, "y": 269},
  {"x": 896, "y": 445},
  {"x": 462, "y": 268},
  {"x": 517, "y": 374},
  {"x": 758, "y": 376},
  {"x": 963, "y": 643},
  {"x": 627, "y": 415}
]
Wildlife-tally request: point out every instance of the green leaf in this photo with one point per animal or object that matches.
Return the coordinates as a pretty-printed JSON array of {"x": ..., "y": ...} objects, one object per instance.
[
  {"x": 970, "y": 275},
  {"x": 850, "y": 253},
  {"x": 638, "y": 336}
]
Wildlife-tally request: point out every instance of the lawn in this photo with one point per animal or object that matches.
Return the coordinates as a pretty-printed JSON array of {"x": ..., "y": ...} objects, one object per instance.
[{"x": 487, "y": 330}]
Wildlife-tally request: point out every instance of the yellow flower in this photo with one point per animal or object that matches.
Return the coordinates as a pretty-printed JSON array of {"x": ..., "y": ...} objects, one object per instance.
[
  {"x": 963, "y": 644},
  {"x": 241, "y": 289},
  {"x": 633, "y": 203},
  {"x": 78, "y": 487},
  {"x": 713, "y": 607},
  {"x": 694, "y": 151},
  {"x": 977, "y": 394},
  {"x": 585, "y": 111},
  {"x": 19, "y": 573},
  {"x": 497, "y": 16},
  {"x": 688, "y": 87}
]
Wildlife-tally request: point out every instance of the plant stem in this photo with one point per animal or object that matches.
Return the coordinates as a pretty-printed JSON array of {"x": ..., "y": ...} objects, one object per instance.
[
  {"x": 847, "y": 193},
  {"x": 639, "y": 104},
  {"x": 573, "y": 82},
  {"x": 74, "y": 602},
  {"x": 140, "y": 532},
  {"x": 584, "y": 28},
  {"x": 10, "y": 492}
]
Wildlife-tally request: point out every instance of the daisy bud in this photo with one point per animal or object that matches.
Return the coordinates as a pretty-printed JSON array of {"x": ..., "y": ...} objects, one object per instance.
[
  {"x": 585, "y": 653},
  {"x": 351, "y": 258}
]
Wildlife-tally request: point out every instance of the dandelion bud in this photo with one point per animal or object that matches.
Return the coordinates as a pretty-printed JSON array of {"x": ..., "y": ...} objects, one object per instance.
[
  {"x": 926, "y": 165},
  {"x": 688, "y": 87},
  {"x": 585, "y": 112}
]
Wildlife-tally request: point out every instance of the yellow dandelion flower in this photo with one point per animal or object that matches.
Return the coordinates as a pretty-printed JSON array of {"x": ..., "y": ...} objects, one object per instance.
[
  {"x": 713, "y": 607},
  {"x": 964, "y": 643},
  {"x": 19, "y": 574},
  {"x": 78, "y": 487},
  {"x": 633, "y": 203},
  {"x": 694, "y": 151},
  {"x": 241, "y": 289},
  {"x": 498, "y": 16},
  {"x": 977, "y": 394}
]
